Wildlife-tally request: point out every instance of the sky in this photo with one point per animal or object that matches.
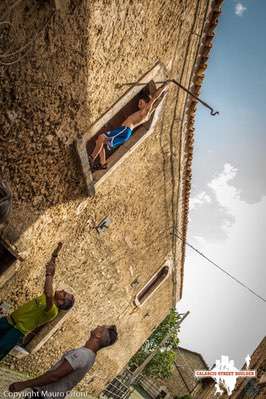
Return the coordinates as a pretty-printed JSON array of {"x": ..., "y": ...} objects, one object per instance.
[{"x": 228, "y": 199}]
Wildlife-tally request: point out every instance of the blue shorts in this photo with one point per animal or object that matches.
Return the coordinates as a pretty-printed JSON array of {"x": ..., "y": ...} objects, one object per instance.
[{"x": 117, "y": 136}]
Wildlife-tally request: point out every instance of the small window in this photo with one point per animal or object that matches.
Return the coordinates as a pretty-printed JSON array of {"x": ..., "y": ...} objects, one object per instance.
[
  {"x": 33, "y": 341},
  {"x": 125, "y": 106},
  {"x": 113, "y": 156},
  {"x": 29, "y": 337},
  {"x": 7, "y": 258},
  {"x": 37, "y": 338},
  {"x": 153, "y": 284}
]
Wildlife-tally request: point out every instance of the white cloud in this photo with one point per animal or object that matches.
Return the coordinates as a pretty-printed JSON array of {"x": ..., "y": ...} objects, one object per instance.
[
  {"x": 210, "y": 209},
  {"x": 240, "y": 9},
  {"x": 225, "y": 194},
  {"x": 214, "y": 300},
  {"x": 228, "y": 173},
  {"x": 199, "y": 199}
]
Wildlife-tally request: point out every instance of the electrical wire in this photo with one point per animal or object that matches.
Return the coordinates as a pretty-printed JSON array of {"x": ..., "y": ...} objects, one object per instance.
[
  {"x": 26, "y": 46},
  {"x": 15, "y": 4},
  {"x": 221, "y": 268}
]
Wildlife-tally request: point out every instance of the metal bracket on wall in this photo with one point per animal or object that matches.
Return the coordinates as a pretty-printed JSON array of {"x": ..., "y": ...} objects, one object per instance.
[
  {"x": 135, "y": 283},
  {"x": 103, "y": 225},
  {"x": 212, "y": 112}
]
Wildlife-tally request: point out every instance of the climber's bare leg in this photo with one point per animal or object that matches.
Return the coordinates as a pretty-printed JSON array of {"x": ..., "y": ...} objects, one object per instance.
[
  {"x": 101, "y": 140},
  {"x": 102, "y": 156}
]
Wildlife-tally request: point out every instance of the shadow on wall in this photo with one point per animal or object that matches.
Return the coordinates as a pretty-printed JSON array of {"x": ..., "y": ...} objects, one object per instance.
[{"x": 43, "y": 104}]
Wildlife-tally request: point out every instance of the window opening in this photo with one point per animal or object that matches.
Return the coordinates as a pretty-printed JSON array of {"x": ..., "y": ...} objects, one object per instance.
[
  {"x": 114, "y": 155},
  {"x": 7, "y": 258},
  {"x": 152, "y": 285},
  {"x": 112, "y": 119}
]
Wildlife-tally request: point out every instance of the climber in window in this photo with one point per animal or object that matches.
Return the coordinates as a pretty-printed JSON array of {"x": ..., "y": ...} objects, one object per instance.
[
  {"x": 114, "y": 138},
  {"x": 35, "y": 313}
]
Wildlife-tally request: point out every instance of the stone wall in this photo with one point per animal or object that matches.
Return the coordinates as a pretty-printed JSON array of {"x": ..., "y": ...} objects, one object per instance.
[
  {"x": 48, "y": 97},
  {"x": 183, "y": 381},
  {"x": 8, "y": 376}
]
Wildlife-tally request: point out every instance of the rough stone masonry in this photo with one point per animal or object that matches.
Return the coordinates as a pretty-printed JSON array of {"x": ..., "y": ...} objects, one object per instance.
[{"x": 65, "y": 77}]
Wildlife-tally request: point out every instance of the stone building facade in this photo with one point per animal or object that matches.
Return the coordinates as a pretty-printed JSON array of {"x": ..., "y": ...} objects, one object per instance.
[
  {"x": 60, "y": 71},
  {"x": 182, "y": 381}
]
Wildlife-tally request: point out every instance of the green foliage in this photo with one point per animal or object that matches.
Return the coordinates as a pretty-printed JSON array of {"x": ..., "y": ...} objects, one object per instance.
[
  {"x": 183, "y": 397},
  {"x": 162, "y": 363}
]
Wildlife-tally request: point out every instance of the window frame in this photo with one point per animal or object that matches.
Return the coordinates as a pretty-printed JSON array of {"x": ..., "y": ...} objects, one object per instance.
[
  {"x": 40, "y": 339},
  {"x": 168, "y": 264},
  {"x": 10, "y": 271},
  {"x": 156, "y": 73}
]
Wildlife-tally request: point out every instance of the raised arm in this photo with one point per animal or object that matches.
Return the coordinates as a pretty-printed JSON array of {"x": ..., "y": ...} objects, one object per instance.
[
  {"x": 47, "y": 378},
  {"x": 50, "y": 271},
  {"x": 157, "y": 95},
  {"x": 157, "y": 102}
]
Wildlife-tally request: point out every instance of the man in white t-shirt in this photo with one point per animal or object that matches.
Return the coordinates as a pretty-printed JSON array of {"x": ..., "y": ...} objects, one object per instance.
[{"x": 70, "y": 369}]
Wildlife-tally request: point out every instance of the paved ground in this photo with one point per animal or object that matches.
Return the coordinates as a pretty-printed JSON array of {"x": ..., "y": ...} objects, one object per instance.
[
  {"x": 9, "y": 376},
  {"x": 6, "y": 378},
  {"x": 136, "y": 395}
]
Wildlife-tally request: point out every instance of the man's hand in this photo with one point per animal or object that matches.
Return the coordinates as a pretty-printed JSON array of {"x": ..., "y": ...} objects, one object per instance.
[
  {"x": 158, "y": 94},
  {"x": 165, "y": 87},
  {"x": 57, "y": 250},
  {"x": 50, "y": 267},
  {"x": 164, "y": 93},
  {"x": 164, "y": 90},
  {"x": 17, "y": 386}
]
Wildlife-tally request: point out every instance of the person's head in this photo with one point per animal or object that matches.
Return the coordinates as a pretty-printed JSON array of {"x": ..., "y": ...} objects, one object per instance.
[
  {"x": 64, "y": 300},
  {"x": 5, "y": 202},
  {"x": 143, "y": 99},
  {"x": 103, "y": 336}
]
